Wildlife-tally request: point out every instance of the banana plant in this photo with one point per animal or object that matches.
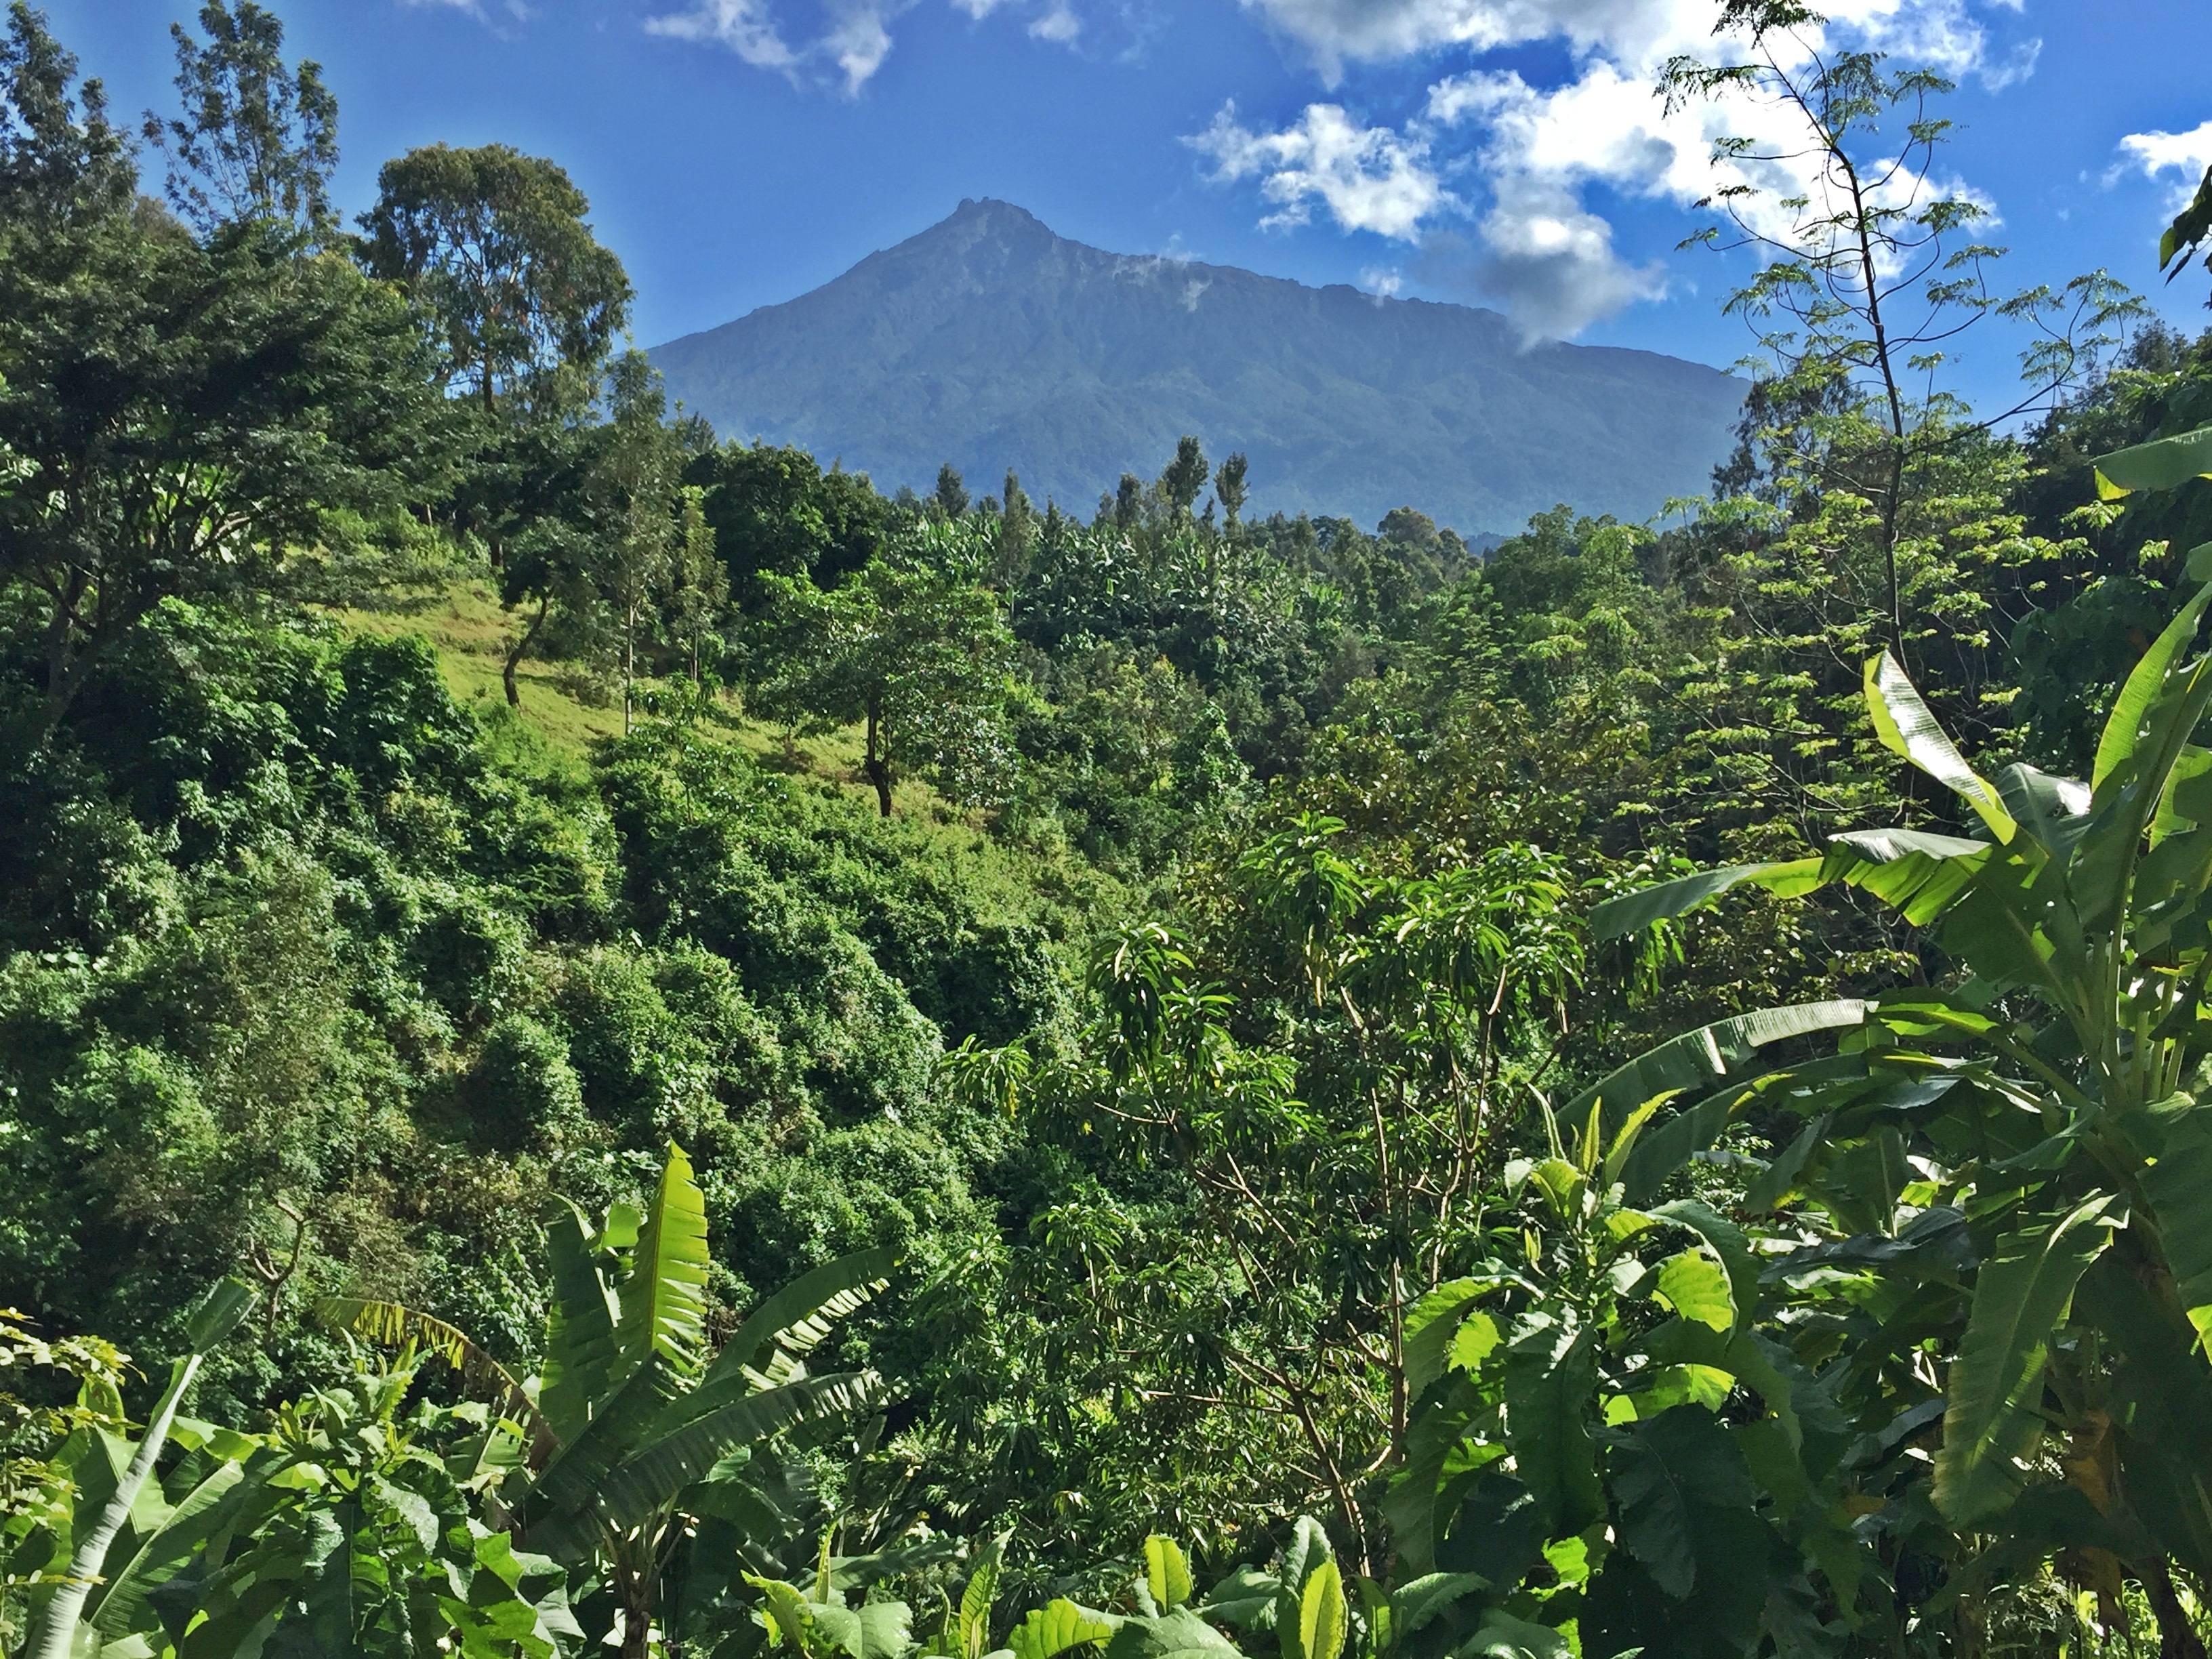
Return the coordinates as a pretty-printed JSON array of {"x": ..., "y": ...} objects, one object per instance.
[
  {"x": 340, "y": 1529},
  {"x": 110, "y": 1492},
  {"x": 2011, "y": 1167},
  {"x": 632, "y": 1427}
]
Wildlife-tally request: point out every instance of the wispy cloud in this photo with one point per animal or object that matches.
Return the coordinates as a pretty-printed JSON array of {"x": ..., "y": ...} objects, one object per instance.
[
  {"x": 1539, "y": 247},
  {"x": 1367, "y": 178},
  {"x": 2183, "y": 156}
]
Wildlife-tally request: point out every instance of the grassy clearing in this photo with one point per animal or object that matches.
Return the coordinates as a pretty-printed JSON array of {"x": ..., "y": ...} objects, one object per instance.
[{"x": 470, "y": 632}]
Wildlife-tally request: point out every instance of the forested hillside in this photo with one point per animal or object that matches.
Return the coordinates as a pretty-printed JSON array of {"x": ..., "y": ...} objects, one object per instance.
[{"x": 613, "y": 1038}]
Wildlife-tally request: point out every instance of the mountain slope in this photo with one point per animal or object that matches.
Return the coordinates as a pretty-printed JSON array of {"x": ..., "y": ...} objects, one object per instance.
[{"x": 991, "y": 343}]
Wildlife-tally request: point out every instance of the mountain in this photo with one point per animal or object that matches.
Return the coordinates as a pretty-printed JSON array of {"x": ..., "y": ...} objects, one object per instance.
[{"x": 989, "y": 342}]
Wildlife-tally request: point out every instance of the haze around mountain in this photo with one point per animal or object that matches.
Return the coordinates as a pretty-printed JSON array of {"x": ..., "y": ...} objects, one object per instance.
[{"x": 989, "y": 342}]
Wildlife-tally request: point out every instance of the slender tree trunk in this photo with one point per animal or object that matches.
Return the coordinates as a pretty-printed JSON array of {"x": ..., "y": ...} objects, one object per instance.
[
  {"x": 1892, "y": 498},
  {"x": 629, "y": 661},
  {"x": 521, "y": 648},
  {"x": 2177, "y": 1638},
  {"x": 637, "y": 1615},
  {"x": 878, "y": 769}
]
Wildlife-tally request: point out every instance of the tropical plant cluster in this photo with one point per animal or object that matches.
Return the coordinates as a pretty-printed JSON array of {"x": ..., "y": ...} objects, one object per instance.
[{"x": 1149, "y": 1081}]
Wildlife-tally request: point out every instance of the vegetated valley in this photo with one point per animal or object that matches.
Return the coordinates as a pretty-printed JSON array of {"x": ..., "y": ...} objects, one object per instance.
[{"x": 614, "y": 1038}]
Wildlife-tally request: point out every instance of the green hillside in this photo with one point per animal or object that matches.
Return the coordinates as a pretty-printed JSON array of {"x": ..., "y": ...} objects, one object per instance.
[{"x": 1177, "y": 1081}]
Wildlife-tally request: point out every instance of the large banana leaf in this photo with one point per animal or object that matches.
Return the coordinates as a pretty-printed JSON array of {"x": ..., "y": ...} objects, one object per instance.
[
  {"x": 2180, "y": 1188},
  {"x": 2161, "y": 463},
  {"x": 1906, "y": 725},
  {"x": 2124, "y": 725},
  {"x": 1632, "y": 913},
  {"x": 657, "y": 1471},
  {"x": 213, "y": 1318},
  {"x": 197, "y": 1517},
  {"x": 1992, "y": 1396},
  {"x": 581, "y": 1352},
  {"x": 800, "y": 1315},
  {"x": 2127, "y": 801},
  {"x": 573, "y": 1477},
  {"x": 1711, "y": 1053},
  {"x": 664, "y": 1299}
]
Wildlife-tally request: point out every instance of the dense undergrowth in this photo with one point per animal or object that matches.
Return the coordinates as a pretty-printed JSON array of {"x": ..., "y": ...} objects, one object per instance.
[{"x": 946, "y": 1075}]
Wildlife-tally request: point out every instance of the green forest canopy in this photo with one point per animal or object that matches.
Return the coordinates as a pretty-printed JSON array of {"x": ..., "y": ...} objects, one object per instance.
[{"x": 1265, "y": 1085}]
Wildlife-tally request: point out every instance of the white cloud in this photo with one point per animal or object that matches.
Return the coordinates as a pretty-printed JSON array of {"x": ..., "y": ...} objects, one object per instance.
[
  {"x": 1059, "y": 25},
  {"x": 1539, "y": 249},
  {"x": 743, "y": 26},
  {"x": 854, "y": 35},
  {"x": 1368, "y": 178},
  {"x": 2184, "y": 153},
  {"x": 859, "y": 38}
]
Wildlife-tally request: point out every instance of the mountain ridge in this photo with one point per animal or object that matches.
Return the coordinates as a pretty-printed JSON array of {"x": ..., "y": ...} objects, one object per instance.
[{"x": 989, "y": 341}]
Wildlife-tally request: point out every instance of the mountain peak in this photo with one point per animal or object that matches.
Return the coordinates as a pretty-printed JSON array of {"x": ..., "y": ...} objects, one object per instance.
[{"x": 991, "y": 342}]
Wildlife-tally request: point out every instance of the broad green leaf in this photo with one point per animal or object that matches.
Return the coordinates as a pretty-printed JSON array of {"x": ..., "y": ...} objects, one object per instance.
[
  {"x": 1167, "y": 1574},
  {"x": 874, "y": 1630},
  {"x": 581, "y": 1352},
  {"x": 1915, "y": 872},
  {"x": 1056, "y": 1627},
  {"x": 976, "y": 1599},
  {"x": 1249, "y": 1598},
  {"x": 1632, "y": 913},
  {"x": 2187, "y": 799},
  {"x": 576, "y": 1472},
  {"x": 1414, "y": 1605},
  {"x": 2180, "y": 1188},
  {"x": 1991, "y": 1418},
  {"x": 1178, "y": 1635},
  {"x": 1323, "y": 1617},
  {"x": 2161, "y": 463},
  {"x": 1551, "y": 1373},
  {"x": 650, "y": 1476},
  {"x": 2124, "y": 725},
  {"x": 1679, "y": 1465},
  {"x": 664, "y": 1299},
  {"x": 790, "y": 1615},
  {"x": 1502, "y": 1636},
  {"x": 1708, "y": 1054},
  {"x": 217, "y": 1315},
  {"x": 197, "y": 1518},
  {"x": 1306, "y": 1553},
  {"x": 2050, "y": 810},
  {"x": 1409, "y": 1503},
  {"x": 1474, "y": 1341},
  {"x": 796, "y": 1319},
  {"x": 1431, "y": 1324},
  {"x": 1694, "y": 1285},
  {"x": 1906, "y": 726},
  {"x": 1728, "y": 1244}
]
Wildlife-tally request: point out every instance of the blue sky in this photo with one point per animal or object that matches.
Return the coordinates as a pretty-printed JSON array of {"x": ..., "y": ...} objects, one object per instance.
[{"x": 1503, "y": 152}]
